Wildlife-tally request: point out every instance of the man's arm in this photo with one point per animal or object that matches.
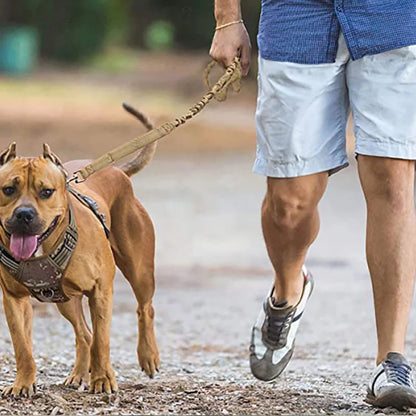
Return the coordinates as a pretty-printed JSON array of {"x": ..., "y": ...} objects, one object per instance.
[{"x": 231, "y": 41}]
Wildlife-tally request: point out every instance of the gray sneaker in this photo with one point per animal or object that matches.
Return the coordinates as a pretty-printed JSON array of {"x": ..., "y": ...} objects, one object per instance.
[
  {"x": 392, "y": 383},
  {"x": 273, "y": 334}
]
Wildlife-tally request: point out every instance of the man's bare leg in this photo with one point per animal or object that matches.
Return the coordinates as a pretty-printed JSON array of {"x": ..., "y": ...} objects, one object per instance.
[
  {"x": 290, "y": 222},
  {"x": 388, "y": 186}
]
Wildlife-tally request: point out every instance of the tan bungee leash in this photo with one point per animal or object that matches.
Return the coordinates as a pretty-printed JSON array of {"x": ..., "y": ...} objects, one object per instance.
[{"x": 231, "y": 77}]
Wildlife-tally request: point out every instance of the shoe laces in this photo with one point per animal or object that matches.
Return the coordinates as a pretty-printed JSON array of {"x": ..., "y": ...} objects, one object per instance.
[
  {"x": 277, "y": 328},
  {"x": 398, "y": 373}
]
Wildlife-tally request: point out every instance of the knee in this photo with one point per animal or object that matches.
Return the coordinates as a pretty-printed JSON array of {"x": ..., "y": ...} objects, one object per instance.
[
  {"x": 391, "y": 196},
  {"x": 289, "y": 210},
  {"x": 388, "y": 182}
]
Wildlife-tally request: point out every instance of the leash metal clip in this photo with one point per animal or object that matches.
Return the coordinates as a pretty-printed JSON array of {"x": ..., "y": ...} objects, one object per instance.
[{"x": 75, "y": 178}]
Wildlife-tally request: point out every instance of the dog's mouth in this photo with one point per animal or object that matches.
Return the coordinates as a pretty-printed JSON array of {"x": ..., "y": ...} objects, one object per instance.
[{"x": 23, "y": 247}]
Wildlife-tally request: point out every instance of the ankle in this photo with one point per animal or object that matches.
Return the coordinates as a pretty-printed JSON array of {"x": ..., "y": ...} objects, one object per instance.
[
  {"x": 382, "y": 355},
  {"x": 289, "y": 293}
]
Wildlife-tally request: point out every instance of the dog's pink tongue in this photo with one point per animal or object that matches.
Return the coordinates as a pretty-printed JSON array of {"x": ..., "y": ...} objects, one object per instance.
[{"x": 23, "y": 247}]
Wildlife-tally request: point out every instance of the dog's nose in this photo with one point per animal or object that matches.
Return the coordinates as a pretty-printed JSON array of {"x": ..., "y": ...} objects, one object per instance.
[{"x": 25, "y": 214}]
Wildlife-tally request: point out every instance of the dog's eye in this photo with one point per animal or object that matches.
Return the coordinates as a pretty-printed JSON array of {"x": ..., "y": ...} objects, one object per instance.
[
  {"x": 9, "y": 190},
  {"x": 46, "y": 193}
]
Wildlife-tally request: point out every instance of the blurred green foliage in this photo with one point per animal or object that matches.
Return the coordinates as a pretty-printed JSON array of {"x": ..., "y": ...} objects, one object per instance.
[
  {"x": 159, "y": 35},
  {"x": 70, "y": 30},
  {"x": 74, "y": 30}
]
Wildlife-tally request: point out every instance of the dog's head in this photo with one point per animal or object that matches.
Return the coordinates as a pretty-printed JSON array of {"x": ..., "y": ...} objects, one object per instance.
[{"x": 32, "y": 198}]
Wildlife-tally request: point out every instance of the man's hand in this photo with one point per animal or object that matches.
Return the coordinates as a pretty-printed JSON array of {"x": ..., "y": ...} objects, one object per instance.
[{"x": 230, "y": 42}]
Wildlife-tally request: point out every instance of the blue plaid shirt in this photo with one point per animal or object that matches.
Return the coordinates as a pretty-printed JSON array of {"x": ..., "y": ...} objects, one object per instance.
[{"x": 307, "y": 31}]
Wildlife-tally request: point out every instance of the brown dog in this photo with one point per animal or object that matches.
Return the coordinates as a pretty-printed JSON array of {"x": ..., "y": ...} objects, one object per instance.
[{"x": 34, "y": 213}]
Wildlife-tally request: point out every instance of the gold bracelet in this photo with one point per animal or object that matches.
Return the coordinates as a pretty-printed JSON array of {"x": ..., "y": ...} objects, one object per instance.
[{"x": 229, "y": 24}]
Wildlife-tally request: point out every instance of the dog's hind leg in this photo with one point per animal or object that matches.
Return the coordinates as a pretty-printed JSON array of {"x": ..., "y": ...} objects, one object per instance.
[
  {"x": 133, "y": 244},
  {"x": 74, "y": 313}
]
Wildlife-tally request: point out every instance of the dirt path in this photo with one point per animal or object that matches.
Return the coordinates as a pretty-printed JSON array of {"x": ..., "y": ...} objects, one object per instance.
[{"x": 212, "y": 273}]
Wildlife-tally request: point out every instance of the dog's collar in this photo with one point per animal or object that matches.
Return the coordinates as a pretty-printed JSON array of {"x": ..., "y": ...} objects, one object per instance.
[{"x": 43, "y": 275}]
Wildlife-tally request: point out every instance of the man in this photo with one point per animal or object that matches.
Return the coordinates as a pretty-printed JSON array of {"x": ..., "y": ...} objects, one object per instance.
[{"x": 318, "y": 59}]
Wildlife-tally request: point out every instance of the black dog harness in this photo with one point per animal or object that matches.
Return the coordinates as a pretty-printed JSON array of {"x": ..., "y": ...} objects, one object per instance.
[
  {"x": 93, "y": 206},
  {"x": 43, "y": 275}
]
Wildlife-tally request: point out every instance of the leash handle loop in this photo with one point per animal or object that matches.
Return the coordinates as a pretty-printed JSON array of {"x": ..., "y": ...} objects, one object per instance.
[{"x": 232, "y": 75}]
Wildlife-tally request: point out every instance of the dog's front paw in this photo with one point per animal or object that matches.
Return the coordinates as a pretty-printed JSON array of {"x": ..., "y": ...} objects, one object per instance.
[
  {"x": 105, "y": 383},
  {"x": 78, "y": 379},
  {"x": 149, "y": 360},
  {"x": 20, "y": 389}
]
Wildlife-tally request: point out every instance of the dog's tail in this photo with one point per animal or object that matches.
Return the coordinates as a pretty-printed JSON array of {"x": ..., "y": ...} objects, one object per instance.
[{"x": 146, "y": 154}]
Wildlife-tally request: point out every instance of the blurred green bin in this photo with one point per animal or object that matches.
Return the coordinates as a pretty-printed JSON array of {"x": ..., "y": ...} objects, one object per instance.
[{"x": 19, "y": 47}]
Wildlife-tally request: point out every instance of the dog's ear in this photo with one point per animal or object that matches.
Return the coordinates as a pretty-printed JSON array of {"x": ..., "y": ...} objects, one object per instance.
[
  {"x": 48, "y": 154},
  {"x": 8, "y": 154}
]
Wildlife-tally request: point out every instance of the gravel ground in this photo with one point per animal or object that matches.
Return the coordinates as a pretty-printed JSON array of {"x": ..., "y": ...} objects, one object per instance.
[{"x": 212, "y": 274}]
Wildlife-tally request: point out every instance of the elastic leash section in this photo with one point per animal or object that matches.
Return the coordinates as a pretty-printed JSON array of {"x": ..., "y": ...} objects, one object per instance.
[{"x": 231, "y": 77}]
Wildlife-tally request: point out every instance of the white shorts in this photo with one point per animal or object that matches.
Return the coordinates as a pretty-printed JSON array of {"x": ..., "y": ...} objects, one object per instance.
[{"x": 302, "y": 111}]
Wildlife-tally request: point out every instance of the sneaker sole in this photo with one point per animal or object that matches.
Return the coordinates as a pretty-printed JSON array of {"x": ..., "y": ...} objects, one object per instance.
[
  {"x": 264, "y": 375},
  {"x": 398, "y": 397}
]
